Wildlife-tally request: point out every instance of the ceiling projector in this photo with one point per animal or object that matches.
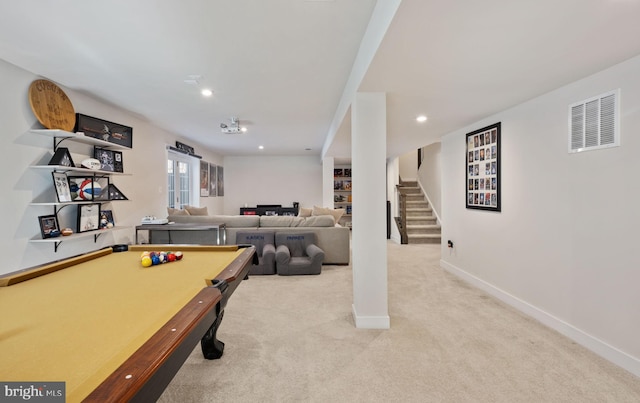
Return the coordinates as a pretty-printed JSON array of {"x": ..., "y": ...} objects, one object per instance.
[{"x": 233, "y": 128}]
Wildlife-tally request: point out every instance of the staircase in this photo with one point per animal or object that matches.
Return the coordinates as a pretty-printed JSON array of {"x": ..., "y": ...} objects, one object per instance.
[{"x": 422, "y": 225}]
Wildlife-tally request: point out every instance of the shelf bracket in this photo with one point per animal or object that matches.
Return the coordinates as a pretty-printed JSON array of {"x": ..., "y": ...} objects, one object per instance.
[
  {"x": 56, "y": 142},
  {"x": 55, "y": 246}
]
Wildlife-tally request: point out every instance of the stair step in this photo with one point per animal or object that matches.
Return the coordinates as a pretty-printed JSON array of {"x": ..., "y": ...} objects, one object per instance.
[
  {"x": 420, "y": 221},
  {"x": 424, "y": 238},
  {"x": 424, "y": 229}
]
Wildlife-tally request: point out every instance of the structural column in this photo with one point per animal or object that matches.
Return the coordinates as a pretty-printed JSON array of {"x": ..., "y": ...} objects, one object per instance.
[{"x": 369, "y": 243}]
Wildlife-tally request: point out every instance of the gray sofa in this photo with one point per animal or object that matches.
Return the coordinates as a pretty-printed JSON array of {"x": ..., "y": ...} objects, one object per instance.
[{"x": 332, "y": 239}]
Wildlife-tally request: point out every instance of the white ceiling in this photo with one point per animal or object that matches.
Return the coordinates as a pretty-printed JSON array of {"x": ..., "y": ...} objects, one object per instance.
[{"x": 281, "y": 66}]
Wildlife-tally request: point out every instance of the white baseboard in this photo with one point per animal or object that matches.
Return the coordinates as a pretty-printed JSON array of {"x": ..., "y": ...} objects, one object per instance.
[
  {"x": 599, "y": 347},
  {"x": 370, "y": 322}
]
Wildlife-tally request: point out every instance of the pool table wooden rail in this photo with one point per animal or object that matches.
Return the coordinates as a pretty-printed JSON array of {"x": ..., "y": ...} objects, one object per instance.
[{"x": 145, "y": 375}]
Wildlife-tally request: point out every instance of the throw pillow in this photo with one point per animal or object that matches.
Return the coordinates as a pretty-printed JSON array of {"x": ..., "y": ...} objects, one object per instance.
[
  {"x": 196, "y": 210},
  {"x": 336, "y": 213},
  {"x": 305, "y": 212},
  {"x": 176, "y": 211}
]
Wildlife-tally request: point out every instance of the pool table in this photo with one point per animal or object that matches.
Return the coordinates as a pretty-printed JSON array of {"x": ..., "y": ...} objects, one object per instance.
[{"x": 110, "y": 328}]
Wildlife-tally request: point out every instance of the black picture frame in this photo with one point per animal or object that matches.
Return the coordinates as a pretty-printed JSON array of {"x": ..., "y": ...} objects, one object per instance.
[
  {"x": 62, "y": 157},
  {"x": 111, "y": 132},
  {"x": 106, "y": 158},
  {"x": 88, "y": 217},
  {"x": 117, "y": 162},
  {"x": 89, "y": 188},
  {"x": 106, "y": 219},
  {"x": 49, "y": 227},
  {"x": 115, "y": 194},
  {"x": 482, "y": 169},
  {"x": 61, "y": 184}
]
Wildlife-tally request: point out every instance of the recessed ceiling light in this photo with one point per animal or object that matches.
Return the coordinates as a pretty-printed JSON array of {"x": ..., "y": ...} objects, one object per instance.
[
  {"x": 243, "y": 129},
  {"x": 206, "y": 92},
  {"x": 261, "y": 147},
  {"x": 421, "y": 118}
]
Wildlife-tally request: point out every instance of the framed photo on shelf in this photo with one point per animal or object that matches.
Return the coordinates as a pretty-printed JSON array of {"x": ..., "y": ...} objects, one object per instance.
[
  {"x": 62, "y": 157},
  {"x": 482, "y": 156},
  {"x": 104, "y": 130},
  {"x": 88, "y": 188},
  {"x": 61, "y": 184},
  {"x": 117, "y": 162},
  {"x": 88, "y": 217},
  {"x": 106, "y": 158},
  {"x": 49, "y": 226},
  {"x": 106, "y": 219}
]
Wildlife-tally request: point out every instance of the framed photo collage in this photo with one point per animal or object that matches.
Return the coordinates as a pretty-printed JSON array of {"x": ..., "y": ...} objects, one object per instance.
[{"x": 483, "y": 169}]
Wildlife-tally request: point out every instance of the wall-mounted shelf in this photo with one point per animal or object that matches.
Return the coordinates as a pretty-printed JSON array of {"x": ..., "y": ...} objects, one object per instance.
[
  {"x": 58, "y": 240},
  {"x": 59, "y": 136},
  {"x": 79, "y": 170}
]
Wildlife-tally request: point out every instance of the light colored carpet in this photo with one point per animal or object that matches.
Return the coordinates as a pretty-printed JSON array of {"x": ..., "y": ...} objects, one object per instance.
[{"x": 292, "y": 339}]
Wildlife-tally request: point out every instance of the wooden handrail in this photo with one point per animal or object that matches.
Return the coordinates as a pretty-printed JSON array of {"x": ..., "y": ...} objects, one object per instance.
[{"x": 401, "y": 221}]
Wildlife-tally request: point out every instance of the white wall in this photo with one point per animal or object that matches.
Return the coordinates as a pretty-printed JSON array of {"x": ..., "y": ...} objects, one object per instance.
[
  {"x": 145, "y": 187},
  {"x": 272, "y": 180},
  {"x": 430, "y": 176},
  {"x": 408, "y": 164},
  {"x": 564, "y": 247}
]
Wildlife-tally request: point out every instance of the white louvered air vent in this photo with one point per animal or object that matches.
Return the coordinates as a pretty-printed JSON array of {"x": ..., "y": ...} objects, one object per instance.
[{"x": 593, "y": 123}]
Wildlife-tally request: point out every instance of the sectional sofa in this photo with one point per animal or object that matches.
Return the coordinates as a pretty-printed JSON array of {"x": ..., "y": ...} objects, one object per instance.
[{"x": 333, "y": 239}]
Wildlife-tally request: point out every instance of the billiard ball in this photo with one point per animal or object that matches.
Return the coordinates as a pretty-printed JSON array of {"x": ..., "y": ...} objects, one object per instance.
[
  {"x": 155, "y": 260},
  {"x": 171, "y": 257},
  {"x": 146, "y": 261},
  {"x": 178, "y": 255}
]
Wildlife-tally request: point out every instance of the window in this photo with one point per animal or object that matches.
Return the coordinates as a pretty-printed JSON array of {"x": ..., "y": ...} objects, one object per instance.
[{"x": 181, "y": 189}]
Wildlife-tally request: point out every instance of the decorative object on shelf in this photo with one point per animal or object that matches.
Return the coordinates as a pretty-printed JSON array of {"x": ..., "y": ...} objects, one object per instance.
[
  {"x": 106, "y": 219},
  {"x": 106, "y": 159},
  {"x": 483, "y": 168},
  {"x": 90, "y": 163},
  {"x": 338, "y": 172},
  {"x": 117, "y": 162},
  {"x": 49, "y": 226},
  {"x": 62, "y": 157},
  {"x": 88, "y": 217},
  {"x": 51, "y": 106},
  {"x": 220, "y": 180},
  {"x": 87, "y": 188},
  {"x": 61, "y": 184},
  {"x": 67, "y": 232},
  {"x": 115, "y": 194},
  {"x": 104, "y": 130},
  {"x": 204, "y": 179}
]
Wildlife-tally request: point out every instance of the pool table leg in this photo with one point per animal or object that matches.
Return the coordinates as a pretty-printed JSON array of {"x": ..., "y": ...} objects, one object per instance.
[{"x": 212, "y": 348}]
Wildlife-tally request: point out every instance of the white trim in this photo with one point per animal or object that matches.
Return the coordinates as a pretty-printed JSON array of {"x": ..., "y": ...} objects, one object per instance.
[
  {"x": 370, "y": 322},
  {"x": 599, "y": 347}
]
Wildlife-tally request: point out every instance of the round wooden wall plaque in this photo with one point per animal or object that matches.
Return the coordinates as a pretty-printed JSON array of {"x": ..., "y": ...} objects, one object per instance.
[{"x": 52, "y": 107}]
